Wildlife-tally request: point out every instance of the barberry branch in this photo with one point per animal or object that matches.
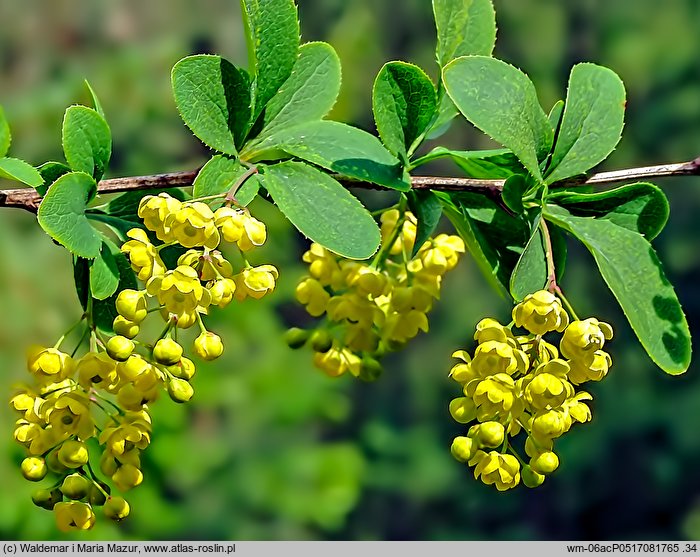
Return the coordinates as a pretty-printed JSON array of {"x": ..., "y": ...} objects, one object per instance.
[{"x": 28, "y": 199}]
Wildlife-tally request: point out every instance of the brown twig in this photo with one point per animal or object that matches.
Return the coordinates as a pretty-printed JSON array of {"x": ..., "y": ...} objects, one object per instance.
[{"x": 28, "y": 199}]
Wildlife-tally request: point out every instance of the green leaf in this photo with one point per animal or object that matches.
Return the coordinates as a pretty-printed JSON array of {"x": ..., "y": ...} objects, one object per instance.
[
  {"x": 322, "y": 209},
  {"x": 446, "y": 112},
  {"x": 87, "y": 141},
  {"x": 62, "y": 214},
  {"x": 20, "y": 171},
  {"x": 5, "y": 135},
  {"x": 95, "y": 101},
  {"x": 426, "y": 206},
  {"x": 310, "y": 91},
  {"x": 340, "y": 148},
  {"x": 513, "y": 189},
  {"x": 640, "y": 207},
  {"x": 404, "y": 103},
  {"x": 530, "y": 273},
  {"x": 494, "y": 238},
  {"x": 104, "y": 274},
  {"x": 272, "y": 32},
  {"x": 220, "y": 174},
  {"x": 103, "y": 311},
  {"x": 555, "y": 115},
  {"x": 213, "y": 98},
  {"x": 487, "y": 164},
  {"x": 592, "y": 121},
  {"x": 50, "y": 172},
  {"x": 635, "y": 276},
  {"x": 464, "y": 27},
  {"x": 501, "y": 101}
]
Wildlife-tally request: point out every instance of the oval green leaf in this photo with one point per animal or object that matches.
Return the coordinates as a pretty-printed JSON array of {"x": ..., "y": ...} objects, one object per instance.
[
  {"x": 464, "y": 27},
  {"x": 310, "y": 91},
  {"x": 104, "y": 274},
  {"x": 592, "y": 123},
  {"x": 62, "y": 214},
  {"x": 19, "y": 171},
  {"x": 87, "y": 141},
  {"x": 634, "y": 274},
  {"x": 5, "y": 136},
  {"x": 322, "y": 209},
  {"x": 501, "y": 101},
  {"x": 213, "y": 98}
]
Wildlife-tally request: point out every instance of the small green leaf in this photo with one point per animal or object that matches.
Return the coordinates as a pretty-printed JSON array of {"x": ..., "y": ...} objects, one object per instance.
[
  {"x": 530, "y": 273},
  {"x": 555, "y": 115},
  {"x": 87, "y": 141},
  {"x": 95, "y": 101},
  {"x": 272, "y": 33},
  {"x": 513, "y": 189},
  {"x": 62, "y": 214},
  {"x": 340, "y": 148},
  {"x": 5, "y": 135},
  {"x": 426, "y": 207},
  {"x": 309, "y": 93},
  {"x": 488, "y": 164},
  {"x": 322, "y": 209},
  {"x": 501, "y": 101},
  {"x": 220, "y": 174},
  {"x": 404, "y": 103},
  {"x": 464, "y": 27},
  {"x": 446, "y": 112},
  {"x": 103, "y": 311},
  {"x": 20, "y": 171},
  {"x": 634, "y": 274},
  {"x": 213, "y": 98},
  {"x": 640, "y": 207},
  {"x": 50, "y": 172},
  {"x": 104, "y": 274},
  {"x": 592, "y": 121}
]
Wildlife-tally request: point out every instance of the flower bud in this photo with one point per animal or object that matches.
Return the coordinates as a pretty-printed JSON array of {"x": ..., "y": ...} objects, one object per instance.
[
  {"x": 120, "y": 348},
  {"x": 34, "y": 468},
  {"x": 208, "y": 346},
  {"x": 97, "y": 496},
  {"x": 531, "y": 478},
  {"x": 296, "y": 337},
  {"x": 47, "y": 499},
  {"x": 491, "y": 434},
  {"x": 122, "y": 326},
  {"x": 463, "y": 448},
  {"x": 73, "y": 454},
  {"x": 370, "y": 369},
  {"x": 545, "y": 463},
  {"x": 131, "y": 304},
  {"x": 180, "y": 390},
  {"x": 75, "y": 486},
  {"x": 184, "y": 369},
  {"x": 321, "y": 340},
  {"x": 116, "y": 508},
  {"x": 167, "y": 352}
]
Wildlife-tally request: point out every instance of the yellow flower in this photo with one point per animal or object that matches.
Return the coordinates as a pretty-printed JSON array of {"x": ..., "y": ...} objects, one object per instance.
[
  {"x": 193, "y": 225},
  {"x": 116, "y": 508},
  {"x": 143, "y": 255},
  {"x": 492, "y": 357},
  {"x": 70, "y": 414},
  {"x": 540, "y": 313},
  {"x": 582, "y": 339},
  {"x": 74, "y": 515},
  {"x": 593, "y": 371},
  {"x": 179, "y": 290},
  {"x": 406, "y": 298},
  {"x": 208, "y": 346},
  {"x": 494, "y": 396},
  {"x": 337, "y": 361},
  {"x": 323, "y": 266},
  {"x": 547, "y": 386},
  {"x": 255, "y": 282},
  {"x": 354, "y": 309},
  {"x": 49, "y": 364},
  {"x": 154, "y": 210},
  {"x": 222, "y": 292},
  {"x": 501, "y": 470},
  {"x": 238, "y": 226},
  {"x": 407, "y": 234},
  {"x": 365, "y": 280},
  {"x": 311, "y": 294},
  {"x": 131, "y": 304},
  {"x": 127, "y": 476},
  {"x": 97, "y": 368},
  {"x": 401, "y": 327}
]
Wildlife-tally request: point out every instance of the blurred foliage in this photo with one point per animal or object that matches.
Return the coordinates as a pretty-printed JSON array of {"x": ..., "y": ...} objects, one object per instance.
[{"x": 271, "y": 448}]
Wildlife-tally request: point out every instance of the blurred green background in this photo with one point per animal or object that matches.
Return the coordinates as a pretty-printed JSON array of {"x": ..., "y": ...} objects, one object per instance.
[{"x": 272, "y": 449}]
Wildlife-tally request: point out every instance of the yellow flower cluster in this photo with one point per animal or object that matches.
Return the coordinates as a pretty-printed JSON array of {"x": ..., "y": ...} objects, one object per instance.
[
  {"x": 102, "y": 397},
  {"x": 372, "y": 307},
  {"x": 523, "y": 383}
]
